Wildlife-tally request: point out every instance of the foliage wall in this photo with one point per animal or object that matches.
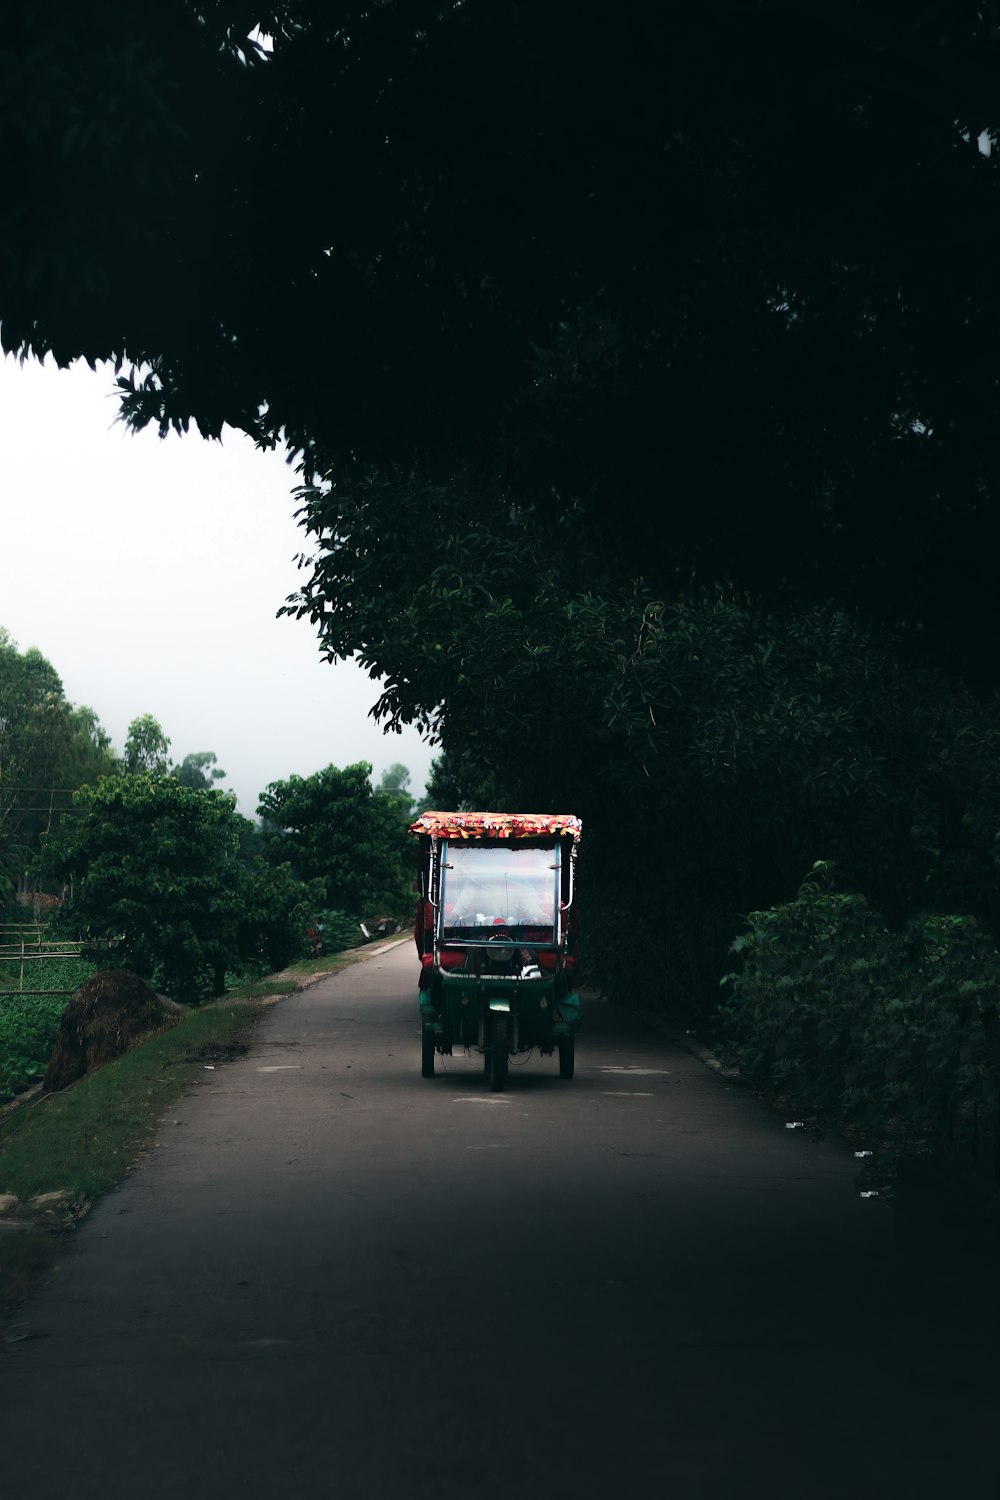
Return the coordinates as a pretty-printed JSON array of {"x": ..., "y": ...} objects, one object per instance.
[
  {"x": 895, "y": 1030},
  {"x": 715, "y": 752}
]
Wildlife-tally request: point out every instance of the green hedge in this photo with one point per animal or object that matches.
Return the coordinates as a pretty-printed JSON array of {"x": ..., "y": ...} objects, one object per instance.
[
  {"x": 340, "y": 931},
  {"x": 28, "y": 1026},
  {"x": 29, "y": 1022},
  {"x": 45, "y": 973},
  {"x": 831, "y": 1007}
]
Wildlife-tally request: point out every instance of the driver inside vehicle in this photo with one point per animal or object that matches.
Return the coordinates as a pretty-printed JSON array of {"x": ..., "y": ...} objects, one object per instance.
[{"x": 492, "y": 904}]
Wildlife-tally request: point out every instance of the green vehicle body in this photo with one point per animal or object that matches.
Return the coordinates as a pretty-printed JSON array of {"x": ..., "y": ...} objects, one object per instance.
[
  {"x": 457, "y": 1008},
  {"x": 500, "y": 980}
]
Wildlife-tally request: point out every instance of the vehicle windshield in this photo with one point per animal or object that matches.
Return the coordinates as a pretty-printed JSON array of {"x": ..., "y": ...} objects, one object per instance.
[{"x": 499, "y": 886}]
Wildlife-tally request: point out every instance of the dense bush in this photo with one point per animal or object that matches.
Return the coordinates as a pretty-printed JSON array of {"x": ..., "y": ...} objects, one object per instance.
[
  {"x": 340, "y": 931},
  {"x": 276, "y": 913},
  {"x": 45, "y": 973},
  {"x": 28, "y": 1026},
  {"x": 155, "y": 880},
  {"x": 28, "y": 1022},
  {"x": 831, "y": 1007}
]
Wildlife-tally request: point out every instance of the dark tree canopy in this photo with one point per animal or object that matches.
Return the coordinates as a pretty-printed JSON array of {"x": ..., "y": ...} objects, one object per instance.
[
  {"x": 720, "y": 279},
  {"x": 331, "y": 829}
]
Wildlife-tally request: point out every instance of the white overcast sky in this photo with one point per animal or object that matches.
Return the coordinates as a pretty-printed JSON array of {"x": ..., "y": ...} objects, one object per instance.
[{"x": 149, "y": 573}]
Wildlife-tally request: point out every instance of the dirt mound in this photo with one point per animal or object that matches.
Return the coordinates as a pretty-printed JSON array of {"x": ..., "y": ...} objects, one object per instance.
[
  {"x": 217, "y": 1052},
  {"x": 109, "y": 1013}
]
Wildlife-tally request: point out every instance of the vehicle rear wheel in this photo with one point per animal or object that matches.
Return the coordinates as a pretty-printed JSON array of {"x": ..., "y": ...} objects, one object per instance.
[
  {"x": 427, "y": 1053},
  {"x": 567, "y": 1056},
  {"x": 498, "y": 1054}
]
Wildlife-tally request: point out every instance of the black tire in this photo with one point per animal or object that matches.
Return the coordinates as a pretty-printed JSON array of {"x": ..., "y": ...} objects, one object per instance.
[
  {"x": 498, "y": 1054},
  {"x": 427, "y": 1053},
  {"x": 567, "y": 1056}
]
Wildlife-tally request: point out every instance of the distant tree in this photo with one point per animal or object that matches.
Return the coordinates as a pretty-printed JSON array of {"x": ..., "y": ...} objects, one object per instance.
[
  {"x": 199, "y": 770},
  {"x": 330, "y": 826},
  {"x": 48, "y": 748},
  {"x": 146, "y": 747},
  {"x": 456, "y": 785},
  {"x": 155, "y": 880},
  {"x": 395, "y": 778},
  {"x": 394, "y": 783}
]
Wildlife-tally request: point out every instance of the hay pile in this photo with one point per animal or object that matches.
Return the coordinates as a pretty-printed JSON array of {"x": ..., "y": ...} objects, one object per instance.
[{"x": 109, "y": 1013}]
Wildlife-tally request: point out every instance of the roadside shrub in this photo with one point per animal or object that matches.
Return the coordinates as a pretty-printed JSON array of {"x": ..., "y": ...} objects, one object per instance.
[
  {"x": 156, "y": 880},
  {"x": 29, "y": 1021},
  {"x": 930, "y": 1050},
  {"x": 340, "y": 931},
  {"x": 832, "y": 1008},
  {"x": 46, "y": 974},
  {"x": 28, "y": 1028},
  {"x": 271, "y": 933}
]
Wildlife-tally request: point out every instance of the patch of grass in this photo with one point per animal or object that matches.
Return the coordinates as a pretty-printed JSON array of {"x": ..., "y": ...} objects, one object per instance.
[
  {"x": 29, "y": 1021},
  {"x": 258, "y": 989},
  {"x": 329, "y": 961},
  {"x": 28, "y": 1027},
  {"x": 334, "y": 961},
  {"x": 84, "y": 1140},
  {"x": 45, "y": 973}
]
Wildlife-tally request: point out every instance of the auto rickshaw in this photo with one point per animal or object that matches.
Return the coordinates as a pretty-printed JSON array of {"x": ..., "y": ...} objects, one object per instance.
[{"x": 495, "y": 933}]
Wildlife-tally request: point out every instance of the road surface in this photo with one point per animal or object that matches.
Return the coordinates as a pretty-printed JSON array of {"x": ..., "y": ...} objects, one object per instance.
[{"x": 334, "y": 1278}]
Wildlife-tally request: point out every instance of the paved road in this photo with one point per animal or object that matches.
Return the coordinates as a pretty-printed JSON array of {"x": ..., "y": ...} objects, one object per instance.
[{"x": 334, "y": 1278}]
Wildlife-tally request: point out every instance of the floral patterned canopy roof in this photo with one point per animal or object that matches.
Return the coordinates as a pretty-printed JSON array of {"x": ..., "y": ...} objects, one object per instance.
[{"x": 490, "y": 825}]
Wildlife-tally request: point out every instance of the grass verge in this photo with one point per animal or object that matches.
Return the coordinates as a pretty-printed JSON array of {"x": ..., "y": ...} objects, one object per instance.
[
  {"x": 83, "y": 1140},
  {"x": 257, "y": 989}
]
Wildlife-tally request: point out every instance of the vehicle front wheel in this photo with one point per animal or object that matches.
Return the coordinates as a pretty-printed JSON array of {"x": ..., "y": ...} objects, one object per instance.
[
  {"x": 498, "y": 1054},
  {"x": 567, "y": 1056},
  {"x": 427, "y": 1053}
]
